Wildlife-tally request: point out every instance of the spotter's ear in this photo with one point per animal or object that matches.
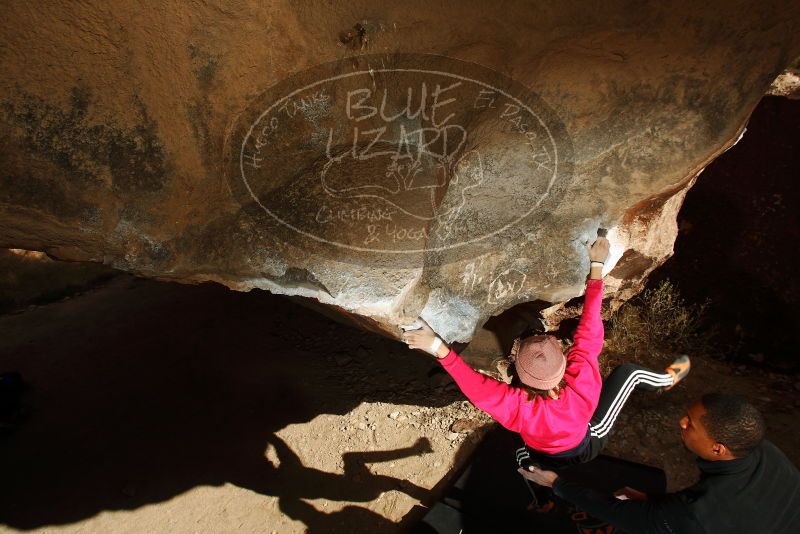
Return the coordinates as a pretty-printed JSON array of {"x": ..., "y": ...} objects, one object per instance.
[{"x": 721, "y": 451}]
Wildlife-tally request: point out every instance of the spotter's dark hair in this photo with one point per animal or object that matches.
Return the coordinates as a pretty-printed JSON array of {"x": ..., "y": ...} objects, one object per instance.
[{"x": 733, "y": 421}]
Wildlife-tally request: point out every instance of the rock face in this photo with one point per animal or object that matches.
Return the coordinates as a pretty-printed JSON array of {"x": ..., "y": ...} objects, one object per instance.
[
  {"x": 386, "y": 159},
  {"x": 786, "y": 84}
]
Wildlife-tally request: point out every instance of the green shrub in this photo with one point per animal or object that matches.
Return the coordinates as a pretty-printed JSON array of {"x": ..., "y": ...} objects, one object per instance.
[{"x": 660, "y": 321}]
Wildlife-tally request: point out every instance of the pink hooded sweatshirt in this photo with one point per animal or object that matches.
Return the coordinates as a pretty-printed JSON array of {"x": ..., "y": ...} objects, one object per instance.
[{"x": 547, "y": 425}]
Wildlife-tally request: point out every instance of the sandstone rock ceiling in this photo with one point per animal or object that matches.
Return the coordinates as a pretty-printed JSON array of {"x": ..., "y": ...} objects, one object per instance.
[{"x": 384, "y": 158}]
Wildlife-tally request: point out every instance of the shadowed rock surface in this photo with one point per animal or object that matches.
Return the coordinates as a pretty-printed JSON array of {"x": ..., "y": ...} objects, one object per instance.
[{"x": 385, "y": 159}]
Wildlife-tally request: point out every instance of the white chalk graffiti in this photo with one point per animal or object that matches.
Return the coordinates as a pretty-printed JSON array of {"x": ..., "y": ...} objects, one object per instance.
[
  {"x": 505, "y": 285},
  {"x": 501, "y": 288},
  {"x": 398, "y": 160},
  {"x": 471, "y": 276},
  {"x": 426, "y": 160}
]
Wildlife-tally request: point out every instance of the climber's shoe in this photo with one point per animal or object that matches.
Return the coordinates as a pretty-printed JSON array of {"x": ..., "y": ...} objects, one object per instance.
[{"x": 679, "y": 369}]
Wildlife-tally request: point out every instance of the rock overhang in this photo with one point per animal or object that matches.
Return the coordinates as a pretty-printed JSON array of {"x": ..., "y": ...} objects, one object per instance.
[{"x": 453, "y": 167}]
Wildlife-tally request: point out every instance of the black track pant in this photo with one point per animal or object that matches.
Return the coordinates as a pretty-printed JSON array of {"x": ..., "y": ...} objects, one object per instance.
[{"x": 617, "y": 388}]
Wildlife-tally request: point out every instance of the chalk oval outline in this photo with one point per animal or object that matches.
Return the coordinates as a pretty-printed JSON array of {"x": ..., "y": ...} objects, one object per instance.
[{"x": 390, "y": 70}]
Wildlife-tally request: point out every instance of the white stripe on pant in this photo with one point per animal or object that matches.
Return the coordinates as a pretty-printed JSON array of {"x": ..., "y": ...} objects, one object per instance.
[{"x": 635, "y": 378}]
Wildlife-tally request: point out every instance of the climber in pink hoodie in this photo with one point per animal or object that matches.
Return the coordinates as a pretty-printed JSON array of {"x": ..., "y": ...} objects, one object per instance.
[{"x": 558, "y": 404}]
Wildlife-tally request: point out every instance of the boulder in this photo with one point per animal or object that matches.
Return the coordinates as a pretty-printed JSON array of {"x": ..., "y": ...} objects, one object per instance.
[
  {"x": 384, "y": 159},
  {"x": 786, "y": 84}
]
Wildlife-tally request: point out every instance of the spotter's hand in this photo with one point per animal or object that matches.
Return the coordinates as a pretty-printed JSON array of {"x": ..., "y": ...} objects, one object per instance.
[{"x": 538, "y": 476}]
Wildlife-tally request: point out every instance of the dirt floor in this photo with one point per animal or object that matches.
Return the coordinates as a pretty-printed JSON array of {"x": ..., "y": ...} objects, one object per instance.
[{"x": 158, "y": 407}]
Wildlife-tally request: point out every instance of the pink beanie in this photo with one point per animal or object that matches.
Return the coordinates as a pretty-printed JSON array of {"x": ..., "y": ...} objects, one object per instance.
[{"x": 539, "y": 361}]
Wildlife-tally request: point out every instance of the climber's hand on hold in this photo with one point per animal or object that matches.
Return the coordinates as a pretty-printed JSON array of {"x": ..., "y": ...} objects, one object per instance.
[
  {"x": 598, "y": 254},
  {"x": 598, "y": 251},
  {"x": 424, "y": 338}
]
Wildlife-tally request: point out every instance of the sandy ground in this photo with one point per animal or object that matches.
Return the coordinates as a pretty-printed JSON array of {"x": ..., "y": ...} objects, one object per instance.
[{"x": 159, "y": 407}]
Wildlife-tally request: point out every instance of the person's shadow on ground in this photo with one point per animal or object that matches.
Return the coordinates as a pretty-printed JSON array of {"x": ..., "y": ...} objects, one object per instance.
[
  {"x": 292, "y": 482},
  {"x": 142, "y": 391}
]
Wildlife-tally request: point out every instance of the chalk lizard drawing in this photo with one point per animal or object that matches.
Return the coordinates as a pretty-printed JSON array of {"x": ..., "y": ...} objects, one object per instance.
[{"x": 508, "y": 283}]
